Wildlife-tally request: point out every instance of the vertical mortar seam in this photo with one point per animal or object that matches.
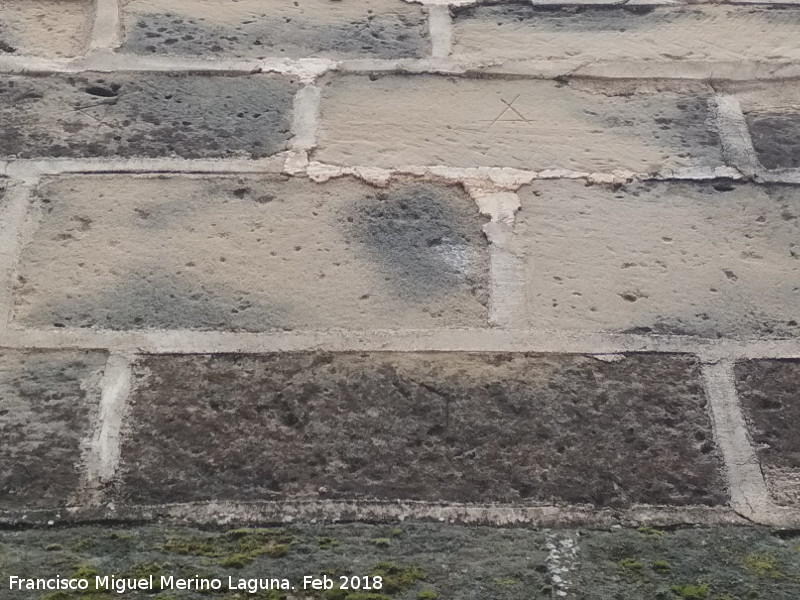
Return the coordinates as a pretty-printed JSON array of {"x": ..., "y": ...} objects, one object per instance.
[
  {"x": 107, "y": 27},
  {"x": 102, "y": 447},
  {"x": 440, "y": 28},
  {"x": 16, "y": 223},
  {"x": 737, "y": 144}
]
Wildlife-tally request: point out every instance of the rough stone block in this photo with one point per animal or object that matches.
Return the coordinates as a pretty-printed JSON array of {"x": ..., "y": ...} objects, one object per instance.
[
  {"x": 45, "y": 27},
  {"x": 522, "y": 31},
  {"x": 252, "y": 254},
  {"x": 47, "y": 404},
  {"x": 773, "y": 116},
  {"x": 709, "y": 259},
  {"x": 432, "y": 426},
  {"x": 770, "y": 394},
  {"x": 145, "y": 115},
  {"x": 277, "y": 28},
  {"x": 398, "y": 120}
]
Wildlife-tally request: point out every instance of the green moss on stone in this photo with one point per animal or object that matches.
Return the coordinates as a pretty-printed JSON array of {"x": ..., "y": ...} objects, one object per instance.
[
  {"x": 427, "y": 595},
  {"x": 661, "y": 566},
  {"x": 647, "y": 530},
  {"x": 690, "y": 592},
  {"x": 382, "y": 542},
  {"x": 630, "y": 564},
  {"x": 763, "y": 565}
]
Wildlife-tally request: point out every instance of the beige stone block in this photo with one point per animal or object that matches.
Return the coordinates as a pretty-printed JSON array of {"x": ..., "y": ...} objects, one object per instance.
[
  {"x": 46, "y": 27},
  {"x": 252, "y": 254},
  {"x": 396, "y": 121},
  {"x": 679, "y": 258}
]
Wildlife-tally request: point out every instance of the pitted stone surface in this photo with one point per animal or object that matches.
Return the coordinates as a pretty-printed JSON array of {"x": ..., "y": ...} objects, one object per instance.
[
  {"x": 47, "y": 401},
  {"x": 277, "y": 28},
  {"x": 145, "y": 115},
  {"x": 709, "y": 259},
  {"x": 522, "y": 31},
  {"x": 397, "y": 120},
  {"x": 48, "y": 27},
  {"x": 252, "y": 254},
  {"x": 770, "y": 393},
  {"x": 431, "y": 426},
  {"x": 773, "y": 117}
]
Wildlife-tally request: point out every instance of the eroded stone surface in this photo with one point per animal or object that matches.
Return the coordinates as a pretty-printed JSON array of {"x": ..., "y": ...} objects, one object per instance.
[
  {"x": 773, "y": 116},
  {"x": 145, "y": 115},
  {"x": 252, "y": 254},
  {"x": 710, "y": 259},
  {"x": 47, "y": 401},
  {"x": 394, "y": 121},
  {"x": 522, "y": 31},
  {"x": 269, "y": 28},
  {"x": 50, "y": 27},
  {"x": 436, "y": 427},
  {"x": 770, "y": 393}
]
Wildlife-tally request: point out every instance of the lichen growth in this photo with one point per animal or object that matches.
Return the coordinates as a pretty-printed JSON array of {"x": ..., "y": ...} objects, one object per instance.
[
  {"x": 661, "y": 566},
  {"x": 647, "y": 530},
  {"x": 326, "y": 543},
  {"x": 630, "y": 564},
  {"x": 235, "y": 548},
  {"x": 382, "y": 542},
  {"x": 763, "y": 565},
  {"x": 427, "y": 595}
]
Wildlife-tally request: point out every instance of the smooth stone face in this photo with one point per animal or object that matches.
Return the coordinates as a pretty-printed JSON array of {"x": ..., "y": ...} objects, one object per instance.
[
  {"x": 48, "y": 401},
  {"x": 252, "y": 254},
  {"x": 770, "y": 394},
  {"x": 409, "y": 120},
  {"x": 452, "y": 427},
  {"x": 667, "y": 258},
  {"x": 145, "y": 115},
  {"x": 277, "y": 28}
]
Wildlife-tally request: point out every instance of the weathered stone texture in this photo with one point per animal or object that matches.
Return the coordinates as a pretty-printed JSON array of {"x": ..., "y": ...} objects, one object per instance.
[
  {"x": 770, "y": 393},
  {"x": 47, "y": 401},
  {"x": 710, "y": 259},
  {"x": 252, "y": 254},
  {"x": 49, "y": 27},
  {"x": 522, "y": 31},
  {"x": 145, "y": 115},
  {"x": 435, "y": 427},
  {"x": 773, "y": 116},
  {"x": 277, "y": 28},
  {"x": 397, "y": 120}
]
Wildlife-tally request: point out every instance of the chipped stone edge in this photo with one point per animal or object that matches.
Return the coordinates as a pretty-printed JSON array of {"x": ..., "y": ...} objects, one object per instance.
[
  {"x": 101, "y": 454},
  {"x": 264, "y": 512},
  {"x": 748, "y": 490}
]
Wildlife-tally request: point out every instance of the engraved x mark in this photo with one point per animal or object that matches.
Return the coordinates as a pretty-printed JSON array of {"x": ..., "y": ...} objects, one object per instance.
[{"x": 510, "y": 107}]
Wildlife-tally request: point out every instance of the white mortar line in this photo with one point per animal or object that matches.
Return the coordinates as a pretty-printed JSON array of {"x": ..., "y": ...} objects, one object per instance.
[
  {"x": 25, "y": 169},
  {"x": 107, "y": 28},
  {"x": 102, "y": 450},
  {"x": 748, "y": 490},
  {"x": 304, "y": 128},
  {"x": 409, "y": 340},
  {"x": 562, "y": 562},
  {"x": 440, "y": 26},
  {"x": 224, "y": 512},
  {"x": 737, "y": 145},
  {"x": 14, "y": 223}
]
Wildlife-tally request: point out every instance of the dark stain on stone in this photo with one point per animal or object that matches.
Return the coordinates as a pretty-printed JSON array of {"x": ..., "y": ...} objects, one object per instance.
[
  {"x": 568, "y": 18},
  {"x": 430, "y": 426},
  {"x": 46, "y": 405},
  {"x": 379, "y": 36},
  {"x": 428, "y": 238},
  {"x": 776, "y": 137},
  {"x": 157, "y": 115},
  {"x": 770, "y": 394}
]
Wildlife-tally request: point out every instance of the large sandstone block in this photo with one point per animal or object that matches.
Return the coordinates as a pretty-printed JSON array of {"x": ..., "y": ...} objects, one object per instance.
[
  {"x": 252, "y": 254},
  {"x": 398, "y": 120},
  {"x": 47, "y": 404},
  {"x": 524, "y": 31},
  {"x": 770, "y": 393},
  {"x": 710, "y": 259},
  {"x": 45, "y": 27},
  {"x": 432, "y": 426},
  {"x": 145, "y": 115},
  {"x": 277, "y": 28}
]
